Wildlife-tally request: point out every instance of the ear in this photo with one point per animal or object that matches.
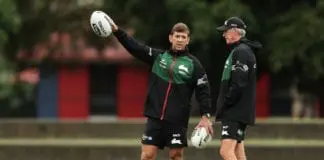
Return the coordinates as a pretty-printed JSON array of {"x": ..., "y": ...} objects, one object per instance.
[
  {"x": 170, "y": 38},
  {"x": 188, "y": 41}
]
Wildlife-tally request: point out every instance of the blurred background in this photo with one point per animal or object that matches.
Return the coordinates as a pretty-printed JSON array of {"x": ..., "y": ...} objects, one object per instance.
[{"x": 58, "y": 80}]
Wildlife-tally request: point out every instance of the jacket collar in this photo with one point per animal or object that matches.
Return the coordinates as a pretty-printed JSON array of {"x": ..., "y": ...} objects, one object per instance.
[
  {"x": 179, "y": 52},
  {"x": 234, "y": 45},
  {"x": 252, "y": 44}
]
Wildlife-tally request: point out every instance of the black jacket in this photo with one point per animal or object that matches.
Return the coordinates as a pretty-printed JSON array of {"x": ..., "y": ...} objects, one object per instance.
[
  {"x": 173, "y": 79},
  {"x": 236, "y": 100}
]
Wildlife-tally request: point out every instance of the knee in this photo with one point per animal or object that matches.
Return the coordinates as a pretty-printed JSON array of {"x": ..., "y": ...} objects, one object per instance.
[
  {"x": 224, "y": 152},
  {"x": 176, "y": 154},
  {"x": 148, "y": 156}
]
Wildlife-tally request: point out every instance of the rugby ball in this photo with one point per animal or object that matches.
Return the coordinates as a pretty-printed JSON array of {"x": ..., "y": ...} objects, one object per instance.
[
  {"x": 100, "y": 25},
  {"x": 200, "y": 137}
]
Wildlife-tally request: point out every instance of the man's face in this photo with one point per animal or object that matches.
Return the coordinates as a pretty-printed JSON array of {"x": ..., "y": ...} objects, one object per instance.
[
  {"x": 231, "y": 35},
  {"x": 179, "y": 40}
]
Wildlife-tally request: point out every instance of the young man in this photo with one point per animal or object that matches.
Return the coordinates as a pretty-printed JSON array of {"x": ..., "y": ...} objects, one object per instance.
[
  {"x": 175, "y": 75},
  {"x": 236, "y": 101}
]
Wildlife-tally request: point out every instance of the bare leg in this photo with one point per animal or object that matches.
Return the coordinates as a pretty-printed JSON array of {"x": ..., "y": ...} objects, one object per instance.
[
  {"x": 149, "y": 152},
  {"x": 227, "y": 150},
  {"x": 176, "y": 153},
  {"x": 240, "y": 151}
]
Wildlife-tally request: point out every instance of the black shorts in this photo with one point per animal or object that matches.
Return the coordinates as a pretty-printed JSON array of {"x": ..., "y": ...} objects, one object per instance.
[
  {"x": 233, "y": 130},
  {"x": 164, "y": 134}
]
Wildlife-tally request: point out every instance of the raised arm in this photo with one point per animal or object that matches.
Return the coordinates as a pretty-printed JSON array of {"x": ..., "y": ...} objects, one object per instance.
[{"x": 140, "y": 51}]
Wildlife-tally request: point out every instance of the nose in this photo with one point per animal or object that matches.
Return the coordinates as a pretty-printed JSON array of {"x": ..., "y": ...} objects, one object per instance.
[{"x": 181, "y": 39}]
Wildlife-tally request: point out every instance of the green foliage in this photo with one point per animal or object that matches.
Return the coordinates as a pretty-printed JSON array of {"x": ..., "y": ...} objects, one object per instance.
[
  {"x": 9, "y": 20},
  {"x": 296, "y": 42},
  {"x": 15, "y": 94},
  {"x": 229, "y": 8}
]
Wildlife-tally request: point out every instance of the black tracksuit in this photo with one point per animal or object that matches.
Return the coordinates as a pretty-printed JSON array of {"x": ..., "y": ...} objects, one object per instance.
[
  {"x": 236, "y": 100},
  {"x": 173, "y": 79}
]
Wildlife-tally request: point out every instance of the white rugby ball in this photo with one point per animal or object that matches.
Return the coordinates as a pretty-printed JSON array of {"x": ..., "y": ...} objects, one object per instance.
[
  {"x": 99, "y": 22},
  {"x": 200, "y": 137}
]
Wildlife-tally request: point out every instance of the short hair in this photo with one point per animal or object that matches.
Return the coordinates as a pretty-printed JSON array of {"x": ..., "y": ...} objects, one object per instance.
[
  {"x": 241, "y": 32},
  {"x": 180, "y": 27}
]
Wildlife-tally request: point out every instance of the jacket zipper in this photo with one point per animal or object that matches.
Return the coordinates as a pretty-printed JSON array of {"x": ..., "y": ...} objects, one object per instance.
[{"x": 169, "y": 88}]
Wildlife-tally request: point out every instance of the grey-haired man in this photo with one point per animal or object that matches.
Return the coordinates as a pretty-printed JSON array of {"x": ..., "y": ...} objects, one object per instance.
[{"x": 236, "y": 101}]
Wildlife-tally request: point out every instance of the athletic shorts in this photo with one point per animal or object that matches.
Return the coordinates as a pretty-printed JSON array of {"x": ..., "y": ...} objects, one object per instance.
[
  {"x": 233, "y": 130},
  {"x": 164, "y": 134}
]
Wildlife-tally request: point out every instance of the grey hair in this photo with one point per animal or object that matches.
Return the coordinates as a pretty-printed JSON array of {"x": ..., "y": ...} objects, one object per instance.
[{"x": 241, "y": 32}]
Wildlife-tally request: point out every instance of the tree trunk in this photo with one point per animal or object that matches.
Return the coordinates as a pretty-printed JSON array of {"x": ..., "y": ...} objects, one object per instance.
[{"x": 297, "y": 104}]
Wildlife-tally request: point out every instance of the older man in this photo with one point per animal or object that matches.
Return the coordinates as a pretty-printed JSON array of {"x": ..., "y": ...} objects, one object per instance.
[{"x": 236, "y": 101}]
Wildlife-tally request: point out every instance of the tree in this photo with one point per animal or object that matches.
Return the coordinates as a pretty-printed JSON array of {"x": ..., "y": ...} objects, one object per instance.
[
  {"x": 9, "y": 19},
  {"x": 12, "y": 95},
  {"x": 296, "y": 47},
  {"x": 296, "y": 42}
]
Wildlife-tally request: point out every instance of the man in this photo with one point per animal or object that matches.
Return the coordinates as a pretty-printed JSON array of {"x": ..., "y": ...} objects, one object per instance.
[
  {"x": 175, "y": 74},
  {"x": 236, "y": 100}
]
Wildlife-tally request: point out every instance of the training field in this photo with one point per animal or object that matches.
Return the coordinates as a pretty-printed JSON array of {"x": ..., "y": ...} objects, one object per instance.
[{"x": 279, "y": 139}]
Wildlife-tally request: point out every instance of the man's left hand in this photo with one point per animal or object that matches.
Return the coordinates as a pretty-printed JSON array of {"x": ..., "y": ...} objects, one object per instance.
[{"x": 205, "y": 122}]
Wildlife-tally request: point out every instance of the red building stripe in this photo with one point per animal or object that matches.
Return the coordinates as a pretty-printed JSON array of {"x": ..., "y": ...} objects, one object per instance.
[
  {"x": 131, "y": 91},
  {"x": 73, "y": 93},
  {"x": 263, "y": 96}
]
